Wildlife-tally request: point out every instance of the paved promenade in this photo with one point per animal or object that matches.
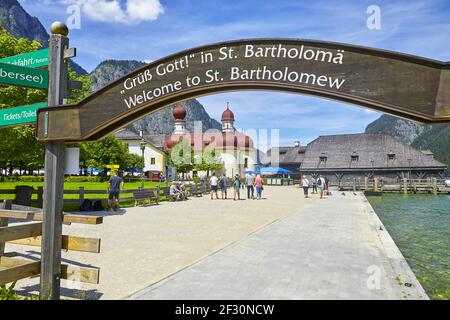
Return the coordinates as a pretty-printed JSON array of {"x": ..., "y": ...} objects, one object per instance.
[
  {"x": 143, "y": 245},
  {"x": 334, "y": 248},
  {"x": 281, "y": 247}
]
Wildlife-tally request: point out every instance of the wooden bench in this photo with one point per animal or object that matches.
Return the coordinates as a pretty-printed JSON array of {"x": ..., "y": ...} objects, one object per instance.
[
  {"x": 205, "y": 188},
  {"x": 143, "y": 196},
  {"x": 167, "y": 195},
  {"x": 194, "y": 190}
]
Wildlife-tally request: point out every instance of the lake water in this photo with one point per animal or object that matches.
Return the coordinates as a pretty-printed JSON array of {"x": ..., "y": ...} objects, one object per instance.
[{"x": 420, "y": 226}]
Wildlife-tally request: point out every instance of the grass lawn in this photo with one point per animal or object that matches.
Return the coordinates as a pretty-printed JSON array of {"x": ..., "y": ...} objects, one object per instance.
[{"x": 76, "y": 186}]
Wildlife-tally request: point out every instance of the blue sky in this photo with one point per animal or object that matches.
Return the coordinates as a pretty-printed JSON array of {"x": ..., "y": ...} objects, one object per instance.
[{"x": 165, "y": 27}]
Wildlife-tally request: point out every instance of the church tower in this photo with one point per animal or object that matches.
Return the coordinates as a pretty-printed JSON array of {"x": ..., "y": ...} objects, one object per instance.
[
  {"x": 179, "y": 114},
  {"x": 228, "y": 120}
]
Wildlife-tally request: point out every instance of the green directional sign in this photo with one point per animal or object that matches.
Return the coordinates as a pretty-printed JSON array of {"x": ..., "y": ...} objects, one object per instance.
[
  {"x": 35, "y": 59},
  {"x": 20, "y": 115},
  {"x": 22, "y": 76}
]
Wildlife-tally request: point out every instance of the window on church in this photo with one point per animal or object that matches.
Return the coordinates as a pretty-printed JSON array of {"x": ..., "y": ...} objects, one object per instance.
[
  {"x": 391, "y": 156},
  {"x": 246, "y": 163},
  {"x": 355, "y": 158},
  {"x": 323, "y": 159},
  {"x": 152, "y": 160}
]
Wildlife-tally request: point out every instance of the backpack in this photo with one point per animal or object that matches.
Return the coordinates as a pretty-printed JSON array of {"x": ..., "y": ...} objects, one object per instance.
[
  {"x": 221, "y": 183},
  {"x": 86, "y": 205},
  {"x": 97, "y": 205},
  {"x": 319, "y": 182}
]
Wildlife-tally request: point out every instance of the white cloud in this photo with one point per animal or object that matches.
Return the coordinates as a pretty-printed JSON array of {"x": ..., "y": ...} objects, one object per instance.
[{"x": 132, "y": 12}]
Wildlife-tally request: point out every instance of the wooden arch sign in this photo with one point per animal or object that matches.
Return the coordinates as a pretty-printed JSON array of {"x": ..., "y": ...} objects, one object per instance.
[{"x": 407, "y": 86}]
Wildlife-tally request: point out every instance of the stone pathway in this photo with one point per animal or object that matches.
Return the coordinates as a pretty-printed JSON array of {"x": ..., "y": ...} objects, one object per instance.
[
  {"x": 140, "y": 246},
  {"x": 334, "y": 248}
]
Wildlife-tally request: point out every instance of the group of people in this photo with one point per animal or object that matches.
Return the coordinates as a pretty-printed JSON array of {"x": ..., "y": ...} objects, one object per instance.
[
  {"x": 251, "y": 182},
  {"x": 178, "y": 191},
  {"x": 319, "y": 185}
]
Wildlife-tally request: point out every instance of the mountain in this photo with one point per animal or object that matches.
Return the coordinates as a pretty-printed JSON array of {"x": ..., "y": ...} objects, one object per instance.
[
  {"x": 423, "y": 137},
  {"x": 110, "y": 70},
  {"x": 160, "y": 122},
  {"x": 21, "y": 25}
]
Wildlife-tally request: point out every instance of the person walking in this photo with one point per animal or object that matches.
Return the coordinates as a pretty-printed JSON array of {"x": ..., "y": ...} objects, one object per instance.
[
  {"x": 259, "y": 186},
  {"x": 305, "y": 186},
  {"x": 237, "y": 187},
  {"x": 314, "y": 187},
  {"x": 115, "y": 184},
  {"x": 223, "y": 186},
  {"x": 249, "y": 181},
  {"x": 214, "y": 181},
  {"x": 321, "y": 185}
]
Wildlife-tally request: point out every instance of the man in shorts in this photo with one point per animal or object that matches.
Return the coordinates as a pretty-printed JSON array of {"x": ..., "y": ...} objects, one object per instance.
[
  {"x": 214, "y": 181},
  {"x": 115, "y": 184},
  {"x": 321, "y": 185},
  {"x": 223, "y": 186}
]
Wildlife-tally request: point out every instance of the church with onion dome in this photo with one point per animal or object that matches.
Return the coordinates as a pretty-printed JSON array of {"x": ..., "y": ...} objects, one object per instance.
[{"x": 234, "y": 149}]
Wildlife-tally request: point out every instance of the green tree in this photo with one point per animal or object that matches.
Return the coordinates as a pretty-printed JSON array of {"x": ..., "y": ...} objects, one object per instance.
[
  {"x": 181, "y": 157},
  {"x": 99, "y": 154},
  {"x": 133, "y": 161}
]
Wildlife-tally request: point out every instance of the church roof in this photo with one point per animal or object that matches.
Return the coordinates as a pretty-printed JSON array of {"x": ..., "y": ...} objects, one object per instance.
[
  {"x": 227, "y": 115},
  {"x": 179, "y": 112}
]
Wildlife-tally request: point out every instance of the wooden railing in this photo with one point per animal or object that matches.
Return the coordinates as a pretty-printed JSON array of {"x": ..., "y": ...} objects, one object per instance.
[
  {"x": 13, "y": 267},
  {"x": 82, "y": 194},
  {"x": 428, "y": 185}
]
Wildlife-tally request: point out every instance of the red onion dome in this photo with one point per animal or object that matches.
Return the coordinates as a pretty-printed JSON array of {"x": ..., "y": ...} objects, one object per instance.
[
  {"x": 179, "y": 112},
  {"x": 228, "y": 115}
]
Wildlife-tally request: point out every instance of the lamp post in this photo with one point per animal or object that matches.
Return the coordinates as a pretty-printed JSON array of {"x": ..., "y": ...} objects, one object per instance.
[
  {"x": 373, "y": 169},
  {"x": 409, "y": 171},
  {"x": 142, "y": 145}
]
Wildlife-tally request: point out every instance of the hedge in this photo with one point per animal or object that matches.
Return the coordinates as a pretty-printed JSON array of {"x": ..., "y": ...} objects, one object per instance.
[{"x": 41, "y": 179}]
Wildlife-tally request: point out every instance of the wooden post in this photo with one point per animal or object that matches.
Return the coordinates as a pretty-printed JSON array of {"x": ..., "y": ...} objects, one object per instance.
[
  {"x": 54, "y": 170},
  {"x": 405, "y": 185},
  {"x": 7, "y": 205},
  {"x": 81, "y": 195},
  {"x": 434, "y": 186},
  {"x": 375, "y": 184},
  {"x": 40, "y": 199},
  {"x": 354, "y": 184},
  {"x": 366, "y": 183}
]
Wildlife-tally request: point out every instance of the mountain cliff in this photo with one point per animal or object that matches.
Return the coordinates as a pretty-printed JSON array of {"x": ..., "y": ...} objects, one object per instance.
[
  {"x": 160, "y": 122},
  {"x": 22, "y": 25},
  {"x": 423, "y": 137}
]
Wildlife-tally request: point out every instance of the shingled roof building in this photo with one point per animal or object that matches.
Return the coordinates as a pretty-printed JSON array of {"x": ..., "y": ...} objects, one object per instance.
[{"x": 348, "y": 156}]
